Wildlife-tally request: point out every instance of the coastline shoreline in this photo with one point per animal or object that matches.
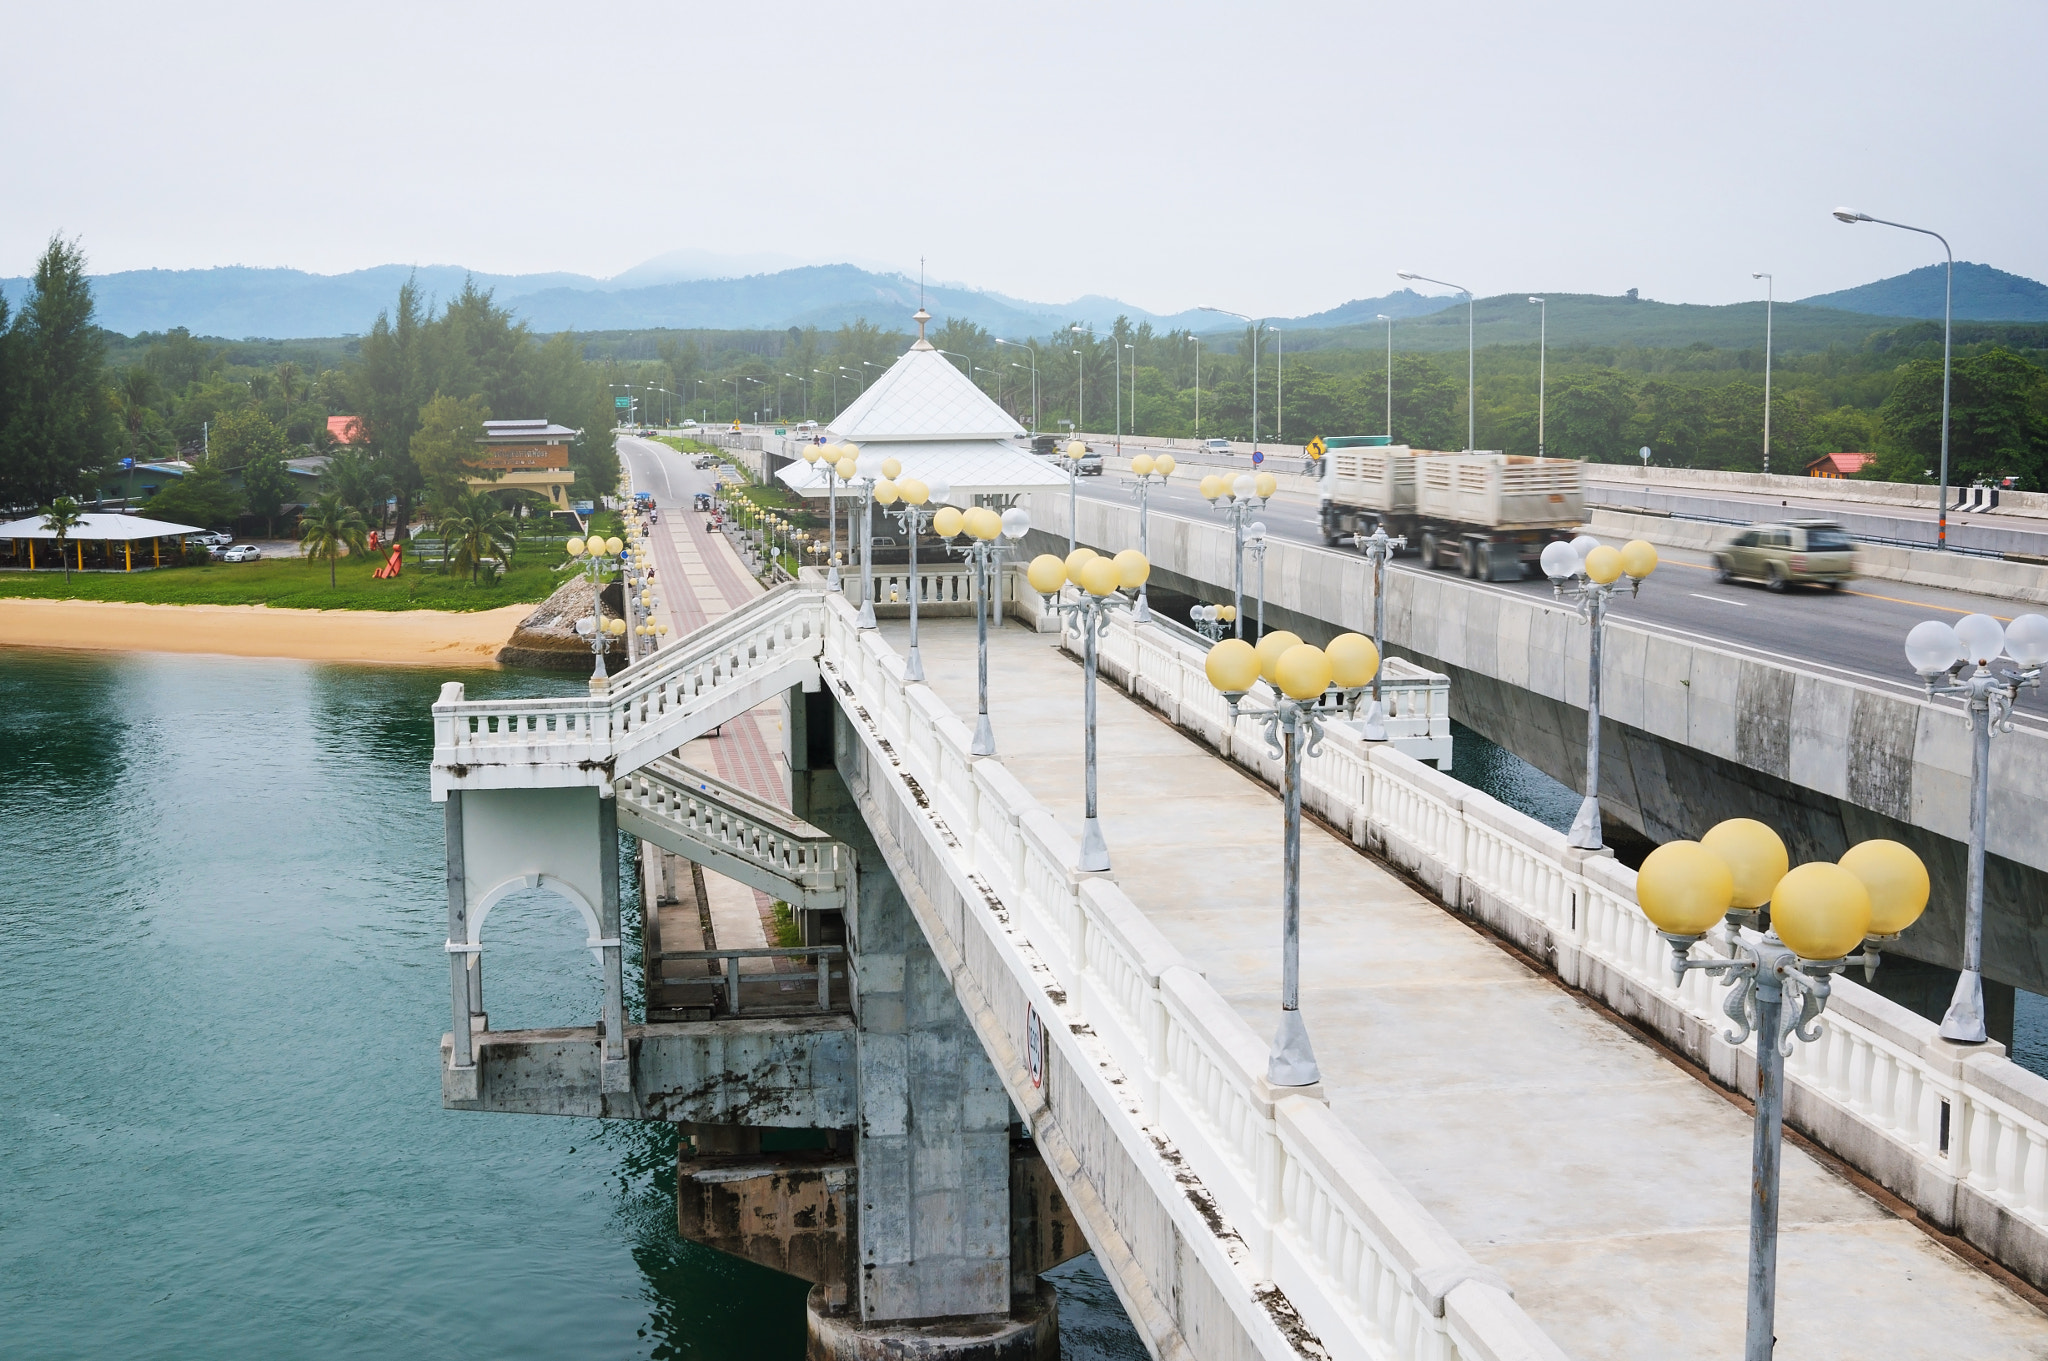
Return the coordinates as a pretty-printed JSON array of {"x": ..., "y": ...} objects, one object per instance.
[{"x": 375, "y": 637}]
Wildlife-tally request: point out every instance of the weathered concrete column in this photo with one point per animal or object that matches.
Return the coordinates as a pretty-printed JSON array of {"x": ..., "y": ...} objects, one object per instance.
[
  {"x": 617, "y": 1075},
  {"x": 933, "y": 1148},
  {"x": 465, "y": 996}
]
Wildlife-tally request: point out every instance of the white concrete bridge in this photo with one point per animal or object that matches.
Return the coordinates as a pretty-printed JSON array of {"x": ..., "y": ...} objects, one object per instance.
[{"x": 1528, "y": 1142}]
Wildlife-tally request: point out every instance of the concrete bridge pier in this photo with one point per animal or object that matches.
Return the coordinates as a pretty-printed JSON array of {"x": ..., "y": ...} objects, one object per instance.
[{"x": 956, "y": 1214}]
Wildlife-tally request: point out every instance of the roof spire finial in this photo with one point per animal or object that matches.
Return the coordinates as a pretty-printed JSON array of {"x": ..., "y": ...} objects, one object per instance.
[{"x": 921, "y": 316}]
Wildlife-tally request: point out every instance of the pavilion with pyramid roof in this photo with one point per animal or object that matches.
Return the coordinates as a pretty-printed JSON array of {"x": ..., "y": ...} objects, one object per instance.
[{"x": 930, "y": 417}]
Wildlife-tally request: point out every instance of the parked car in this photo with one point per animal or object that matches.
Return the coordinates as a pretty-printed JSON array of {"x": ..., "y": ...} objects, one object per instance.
[
  {"x": 1089, "y": 464},
  {"x": 687, "y": 425},
  {"x": 1216, "y": 446},
  {"x": 218, "y": 538},
  {"x": 244, "y": 552},
  {"x": 1787, "y": 553}
]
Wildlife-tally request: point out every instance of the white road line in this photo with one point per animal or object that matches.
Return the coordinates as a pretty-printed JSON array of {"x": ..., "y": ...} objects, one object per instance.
[{"x": 1739, "y": 604}]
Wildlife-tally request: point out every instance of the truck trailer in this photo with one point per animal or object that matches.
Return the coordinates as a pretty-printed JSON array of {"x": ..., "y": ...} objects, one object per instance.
[{"x": 1486, "y": 513}]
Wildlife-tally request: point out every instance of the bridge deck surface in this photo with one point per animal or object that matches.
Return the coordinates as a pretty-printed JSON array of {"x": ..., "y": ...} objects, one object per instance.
[{"x": 1603, "y": 1181}]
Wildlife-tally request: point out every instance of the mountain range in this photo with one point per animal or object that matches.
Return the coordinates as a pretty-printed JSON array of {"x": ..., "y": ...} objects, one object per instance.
[{"x": 696, "y": 290}]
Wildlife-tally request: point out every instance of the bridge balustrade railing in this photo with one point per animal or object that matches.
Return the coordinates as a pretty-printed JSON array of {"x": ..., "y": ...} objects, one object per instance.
[
  {"x": 1961, "y": 1133},
  {"x": 1292, "y": 1192}
]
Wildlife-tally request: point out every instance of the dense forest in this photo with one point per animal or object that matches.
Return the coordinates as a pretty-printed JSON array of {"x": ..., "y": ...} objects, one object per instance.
[{"x": 75, "y": 401}]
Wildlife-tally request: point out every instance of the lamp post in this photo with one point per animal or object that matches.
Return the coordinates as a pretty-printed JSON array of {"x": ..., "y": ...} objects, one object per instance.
[
  {"x": 1542, "y": 380},
  {"x": 1947, "y": 335},
  {"x": 987, "y": 535},
  {"x": 800, "y": 383},
  {"x": 1032, "y": 347},
  {"x": 1210, "y": 620},
  {"x": 1588, "y": 573},
  {"x": 1198, "y": 383},
  {"x": 912, "y": 519},
  {"x": 1224, "y": 311},
  {"x": 1280, "y": 386},
  {"x": 597, "y": 559},
  {"x": 962, "y": 358},
  {"x": 1942, "y": 655},
  {"x": 838, "y": 468},
  {"x": 1471, "y": 387},
  {"x": 1301, "y": 677},
  {"x": 1076, "y": 449},
  {"x": 867, "y": 469},
  {"x": 1378, "y": 547},
  {"x": 1134, "y": 400},
  {"x": 1255, "y": 544},
  {"x": 1100, "y": 582},
  {"x": 1770, "y": 289},
  {"x": 1237, "y": 497},
  {"x": 1819, "y": 913},
  {"x": 1390, "y": 375},
  {"x": 1144, "y": 468}
]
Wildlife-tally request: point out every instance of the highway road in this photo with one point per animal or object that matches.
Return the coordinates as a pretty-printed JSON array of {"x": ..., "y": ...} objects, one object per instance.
[
  {"x": 1992, "y": 531},
  {"x": 1858, "y": 632}
]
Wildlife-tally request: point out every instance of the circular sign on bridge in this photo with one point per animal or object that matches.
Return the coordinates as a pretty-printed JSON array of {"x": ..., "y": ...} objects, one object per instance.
[{"x": 1258, "y": 457}]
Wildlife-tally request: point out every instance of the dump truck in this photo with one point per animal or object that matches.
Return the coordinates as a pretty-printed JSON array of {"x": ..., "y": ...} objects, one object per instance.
[{"x": 1483, "y": 512}]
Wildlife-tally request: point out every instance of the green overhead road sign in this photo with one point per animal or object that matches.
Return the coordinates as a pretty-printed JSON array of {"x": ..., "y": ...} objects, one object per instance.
[{"x": 622, "y": 402}]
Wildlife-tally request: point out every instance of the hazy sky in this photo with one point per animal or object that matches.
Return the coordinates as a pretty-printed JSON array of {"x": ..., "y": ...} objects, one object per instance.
[{"x": 1272, "y": 158}]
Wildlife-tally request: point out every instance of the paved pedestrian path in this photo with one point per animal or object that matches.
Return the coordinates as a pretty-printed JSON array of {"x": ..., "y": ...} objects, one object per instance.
[{"x": 1603, "y": 1181}]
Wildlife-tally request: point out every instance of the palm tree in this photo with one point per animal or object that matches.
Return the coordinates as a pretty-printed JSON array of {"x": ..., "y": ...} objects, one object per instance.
[
  {"x": 329, "y": 527},
  {"x": 60, "y": 517},
  {"x": 475, "y": 524}
]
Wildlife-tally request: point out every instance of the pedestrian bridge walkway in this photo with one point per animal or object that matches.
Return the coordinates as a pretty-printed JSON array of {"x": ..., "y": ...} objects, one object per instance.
[{"x": 1598, "y": 1178}]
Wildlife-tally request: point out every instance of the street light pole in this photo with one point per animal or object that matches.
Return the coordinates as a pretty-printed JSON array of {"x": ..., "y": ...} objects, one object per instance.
[
  {"x": 1100, "y": 581},
  {"x": 1941, "y": 654},
  {"x": 1587, "y": 573},
  {"x": 1255, "y": 369},
  {"x": 986, "y": 533},
  {"x": 1543, "y": 384},
  {"x": 1770, "y": 288},
  {"x": 1390, "y": 375},
  {"x": 1280, "y": 387},
  {"x": 1471, "y": 369},
  {"x": 1145, "y": 467},
  {"x": 1378, "y": 548},
  {"x": 1080, "y": 390},
  {"x": 1134, "y": 398},
  {"x": 1947, "y": 335},
  {"x": 1244, "y": 493},
  {"x": 1032, "y": 347},
  {"x": 1301, "y": 677},
  {"x": 912, "y": 519}
]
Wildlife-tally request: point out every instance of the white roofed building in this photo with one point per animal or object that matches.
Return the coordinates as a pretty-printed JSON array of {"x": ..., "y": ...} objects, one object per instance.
[{"x": 931, "y": 418}]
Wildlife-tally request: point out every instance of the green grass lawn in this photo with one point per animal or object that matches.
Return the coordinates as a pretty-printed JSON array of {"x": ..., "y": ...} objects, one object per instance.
[{"x": 298, "y": 584}]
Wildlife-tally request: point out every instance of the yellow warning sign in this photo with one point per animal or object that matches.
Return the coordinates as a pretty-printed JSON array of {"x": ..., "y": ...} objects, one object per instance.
[{"x": 1316, "y": 447}]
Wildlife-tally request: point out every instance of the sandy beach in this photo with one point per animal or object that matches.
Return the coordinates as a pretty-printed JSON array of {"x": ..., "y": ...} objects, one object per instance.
[{"x": 382, "y": 637}]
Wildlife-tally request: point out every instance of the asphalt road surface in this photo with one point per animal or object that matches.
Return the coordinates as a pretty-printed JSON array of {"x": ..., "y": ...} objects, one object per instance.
[
  {"x": 1858, "y": 632},
  {"x": 1992, "y": 531}
]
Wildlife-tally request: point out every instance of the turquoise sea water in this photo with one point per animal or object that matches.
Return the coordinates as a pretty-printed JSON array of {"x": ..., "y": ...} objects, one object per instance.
[{"x": 221, "y": 988}]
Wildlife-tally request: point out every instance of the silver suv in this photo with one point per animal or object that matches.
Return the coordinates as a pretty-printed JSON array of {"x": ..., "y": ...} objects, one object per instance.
[{"x": 1788, "y": 552}]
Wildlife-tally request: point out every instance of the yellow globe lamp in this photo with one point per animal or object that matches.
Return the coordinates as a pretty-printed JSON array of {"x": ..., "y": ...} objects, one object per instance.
[
  {"x": 1046, "y": 573},
  {"x": 891, "y": 468},
  {"x": 574, "y": 548},
  {"x": 984, "y": 524},
  {"x": 1894, "y": 878},
  {"x": 1132, "y": 569},
  {"x": 1075, "y": 448},
  {"x": 845, "y": 468},
  {"x": 1232, "y": 666},
  {"x": 914, "y": 491},
  {"x": 886, "y": 491},
  {"x": 617, "y": 627},
  {"x": 1100, "y": 576},
  {"x": 1603, "y": 565},
  {"x": 1684, "y": 888},
  {"x": 1226, "y": 613},
  {"x": 1821, "y": 911},
  {"x": 613, "y": 545},
  {"x": 948, "y": 522},
  {"x": 1212, "y": 486},
  {"x": 1076, "y": 560},
  {"x": 1638, "y": 558},
  {"x": 1755, "y": 856},
  {"x": 1142, "y": 465},
  {"x": 813, "y": 452},
  {"x": 661, "y": 628},
  {"x": 1354, "y": 661},
  {"x": 1164, "y": 465},
  {"x": 1272, "y": 647},
  {"x": 1264, "y": 485},
  {"x": 1303, "y": 671}
]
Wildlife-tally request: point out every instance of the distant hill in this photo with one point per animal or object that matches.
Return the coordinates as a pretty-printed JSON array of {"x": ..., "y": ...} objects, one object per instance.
[{"x": 1982, "y": 294}]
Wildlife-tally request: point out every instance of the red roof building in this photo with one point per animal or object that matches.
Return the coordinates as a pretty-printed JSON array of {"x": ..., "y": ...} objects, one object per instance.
[
  {"x": 1838, "y": 465},
  {"x": 345, "y": 429}
]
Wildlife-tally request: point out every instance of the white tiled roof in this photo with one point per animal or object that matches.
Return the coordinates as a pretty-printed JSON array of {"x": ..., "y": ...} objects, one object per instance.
[
  {"x": 97, "y": 527},
  {"x": 973, "y": 467},
  {"x": 922, "y": 396}
]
